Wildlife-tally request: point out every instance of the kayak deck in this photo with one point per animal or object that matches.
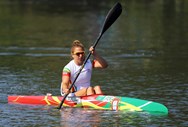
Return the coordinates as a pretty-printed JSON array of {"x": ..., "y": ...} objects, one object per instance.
[{"x": 102, "y": 102}]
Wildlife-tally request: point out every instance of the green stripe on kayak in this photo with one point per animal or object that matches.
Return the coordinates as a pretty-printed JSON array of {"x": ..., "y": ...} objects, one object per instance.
[
  {"x": 134, "y": 104},
  {"x": 145, "y": 105}
]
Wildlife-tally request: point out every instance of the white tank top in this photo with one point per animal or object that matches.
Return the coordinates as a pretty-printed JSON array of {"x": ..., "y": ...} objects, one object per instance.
[{"x": 83, "y": 80}]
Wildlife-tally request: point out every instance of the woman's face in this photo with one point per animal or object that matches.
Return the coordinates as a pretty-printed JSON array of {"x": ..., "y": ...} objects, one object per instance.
[{"x": 78, "y": 55}]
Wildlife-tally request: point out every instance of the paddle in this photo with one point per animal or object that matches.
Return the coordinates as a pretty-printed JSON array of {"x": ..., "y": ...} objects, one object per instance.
[{"x": 111, "y": 17}]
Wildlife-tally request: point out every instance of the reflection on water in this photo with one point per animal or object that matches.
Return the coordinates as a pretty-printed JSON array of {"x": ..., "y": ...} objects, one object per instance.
[
  {"x": 71, "y": 117},
  {"x": 146, "y": 49},
  {"x": 25, "y": 115}
]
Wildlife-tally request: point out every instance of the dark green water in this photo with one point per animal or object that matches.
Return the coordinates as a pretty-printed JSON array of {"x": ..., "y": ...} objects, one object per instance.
[{"x": 146, "y": 49}]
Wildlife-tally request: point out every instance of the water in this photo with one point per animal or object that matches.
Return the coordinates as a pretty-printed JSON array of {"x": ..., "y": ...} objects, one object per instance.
[{"x": 146, "y": 49}]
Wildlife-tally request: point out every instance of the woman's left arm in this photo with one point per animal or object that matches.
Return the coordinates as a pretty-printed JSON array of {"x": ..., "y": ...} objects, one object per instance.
[{"x": 99, "y": 62}]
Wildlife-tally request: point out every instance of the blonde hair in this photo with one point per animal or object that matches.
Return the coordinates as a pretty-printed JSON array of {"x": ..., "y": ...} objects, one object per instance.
[{"x": 76, "y": 43}]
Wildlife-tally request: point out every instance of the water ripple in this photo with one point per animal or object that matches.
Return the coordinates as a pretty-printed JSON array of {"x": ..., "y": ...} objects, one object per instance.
[
  {"x": 34, "y": 51},
  {"x": 35, "y": 48},
  {"x": 136, "y": 54}
]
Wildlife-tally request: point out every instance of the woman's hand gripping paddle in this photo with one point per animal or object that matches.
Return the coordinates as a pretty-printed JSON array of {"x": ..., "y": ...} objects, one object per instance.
[{"x": 111, "y": 17}]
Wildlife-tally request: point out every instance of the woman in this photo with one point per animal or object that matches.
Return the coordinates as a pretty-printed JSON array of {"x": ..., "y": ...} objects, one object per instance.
[{"x": 82, "y": 86}]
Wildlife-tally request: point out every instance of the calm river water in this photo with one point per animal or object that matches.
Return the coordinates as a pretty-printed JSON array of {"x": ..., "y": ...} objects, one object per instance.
[{"x": 146, "y": 49}]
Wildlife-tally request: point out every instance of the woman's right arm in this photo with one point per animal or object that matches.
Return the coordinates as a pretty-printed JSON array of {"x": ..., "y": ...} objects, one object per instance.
[{"x": 65, "y": 84}]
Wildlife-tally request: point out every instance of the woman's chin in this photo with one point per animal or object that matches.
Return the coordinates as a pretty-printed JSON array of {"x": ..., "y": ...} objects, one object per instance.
[{"x": 80, "y": 62}]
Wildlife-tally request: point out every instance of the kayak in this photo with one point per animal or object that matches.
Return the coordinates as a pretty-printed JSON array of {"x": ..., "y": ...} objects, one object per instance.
[{"x": 101, "y": 102}]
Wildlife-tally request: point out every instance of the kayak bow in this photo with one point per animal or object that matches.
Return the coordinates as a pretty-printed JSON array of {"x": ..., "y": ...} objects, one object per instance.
[{"x": 102, "y": 102}]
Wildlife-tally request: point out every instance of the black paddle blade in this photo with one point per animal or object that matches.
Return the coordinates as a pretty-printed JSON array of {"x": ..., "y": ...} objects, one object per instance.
[{"x": 111, "y": 17}]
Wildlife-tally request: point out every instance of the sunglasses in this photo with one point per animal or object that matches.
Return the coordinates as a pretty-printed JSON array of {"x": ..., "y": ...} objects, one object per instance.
[{"x": 79, "y": 53}]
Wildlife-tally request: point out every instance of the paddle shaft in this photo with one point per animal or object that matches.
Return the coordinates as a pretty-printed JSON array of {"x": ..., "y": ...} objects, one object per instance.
[{"x": 112, "y": 15}]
